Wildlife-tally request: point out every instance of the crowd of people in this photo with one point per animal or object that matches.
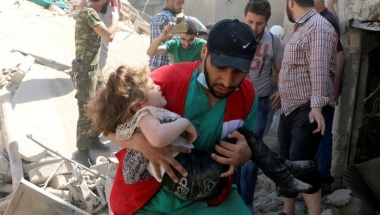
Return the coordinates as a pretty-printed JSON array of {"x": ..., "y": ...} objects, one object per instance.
[{"x": 191, "y": 123}]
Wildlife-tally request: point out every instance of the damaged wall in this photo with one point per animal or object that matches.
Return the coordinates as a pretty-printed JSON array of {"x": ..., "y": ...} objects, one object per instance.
[{"x": 363, "y": 10}]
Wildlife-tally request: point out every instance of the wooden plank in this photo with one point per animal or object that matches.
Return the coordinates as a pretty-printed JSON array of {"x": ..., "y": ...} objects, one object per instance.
[{"x": 30, "y": 199}]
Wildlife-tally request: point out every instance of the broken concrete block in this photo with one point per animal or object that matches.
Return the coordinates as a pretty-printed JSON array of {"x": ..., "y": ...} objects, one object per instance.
[
  {"x": 354, "y": 208},
  {"x": 30, "y": 199},
  {"x": 5, "y": 188},
  {"x": 59, "y": 182},
  {"x": 40, "y": 174},
  {"x": 340, "y": 197},
  {"x": 26, "y": 64},
  {"x": 102, "y": 165},
  {"x": 22, "y": 69},
  {"x": 63, "y": 194}
]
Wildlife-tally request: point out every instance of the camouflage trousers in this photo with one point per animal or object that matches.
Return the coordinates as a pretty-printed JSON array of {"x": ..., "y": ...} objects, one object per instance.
[{"x": 87, "y": 79}]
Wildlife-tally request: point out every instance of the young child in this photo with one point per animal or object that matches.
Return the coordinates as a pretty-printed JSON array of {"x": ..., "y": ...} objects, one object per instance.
[{"x": 131, "y": 102}]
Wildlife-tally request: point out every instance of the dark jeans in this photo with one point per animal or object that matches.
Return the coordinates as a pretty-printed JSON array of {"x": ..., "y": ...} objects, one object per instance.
[
  {"x": 297, "y": 141},
  {"x": 249, "y": 171},
  {"x": 324, "y": 153}
]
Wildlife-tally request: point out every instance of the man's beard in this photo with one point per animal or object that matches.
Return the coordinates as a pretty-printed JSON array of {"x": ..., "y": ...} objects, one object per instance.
[
  {"x": 210, "y": 87},
  {"x": 173, "y": 10},
  {"x": 289, "y": 13},
  {"x": 259, "y": 36}
]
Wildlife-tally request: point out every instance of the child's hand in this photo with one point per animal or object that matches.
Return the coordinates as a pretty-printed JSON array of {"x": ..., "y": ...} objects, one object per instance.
[
  {"x": 227, "y": 173},
  {"x": 190, "y": 134}
]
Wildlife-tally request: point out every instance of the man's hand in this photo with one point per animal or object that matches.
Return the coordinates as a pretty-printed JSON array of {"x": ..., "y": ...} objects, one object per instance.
[
  {"x": 233, "y": 154},
  {"x": 166, "y": 35},
  {"x": 276, "y": 101},
  {"x": 164, "y": 157},
  {"x": 157, "y": 156},
  {"x": 316, "y": 115}
]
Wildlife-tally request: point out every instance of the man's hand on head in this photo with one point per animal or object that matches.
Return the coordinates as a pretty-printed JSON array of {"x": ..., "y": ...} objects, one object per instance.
[{"x": 233, "y": 154}]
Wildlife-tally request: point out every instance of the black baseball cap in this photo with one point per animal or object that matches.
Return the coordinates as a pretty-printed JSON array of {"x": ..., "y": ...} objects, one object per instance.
[{"x": 231, "y": 43}]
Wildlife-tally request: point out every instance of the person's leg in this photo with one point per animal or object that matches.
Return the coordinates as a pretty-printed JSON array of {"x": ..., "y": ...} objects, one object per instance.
[
  {"x": 304, "y": 145},
  {"x": 262, "y": 116},
  {"x": 250, "y": 170},
  {"x": 313, "y": 203},
  {"x": 93, "y": 135},
  {"x": 86, "y": 79},
  {"x": 324, "y": 155},
  {"x": 248, "y": 182},
  {"x": 289, "y": 206}
]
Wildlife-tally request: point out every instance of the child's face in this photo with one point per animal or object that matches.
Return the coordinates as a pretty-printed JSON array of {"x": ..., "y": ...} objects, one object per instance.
[{"x": 155, "y": 97}]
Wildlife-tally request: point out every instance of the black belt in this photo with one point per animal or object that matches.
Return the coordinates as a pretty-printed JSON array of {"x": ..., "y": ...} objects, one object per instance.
[{"x": 263, "y": 97}]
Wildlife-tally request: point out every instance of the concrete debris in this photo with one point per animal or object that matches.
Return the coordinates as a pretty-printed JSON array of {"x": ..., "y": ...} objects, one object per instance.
[
  {"x": 340, "y": 197},
  {"x": 267, "y": 202}
]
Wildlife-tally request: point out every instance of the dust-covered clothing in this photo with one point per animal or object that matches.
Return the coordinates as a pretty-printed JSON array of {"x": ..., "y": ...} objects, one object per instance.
[
  {"x": 85, "y": 70},
  {"x": 87, "y": 41}
]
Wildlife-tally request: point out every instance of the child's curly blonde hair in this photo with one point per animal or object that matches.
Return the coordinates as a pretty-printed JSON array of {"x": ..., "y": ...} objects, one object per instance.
[{"x": 119, "y": 100}]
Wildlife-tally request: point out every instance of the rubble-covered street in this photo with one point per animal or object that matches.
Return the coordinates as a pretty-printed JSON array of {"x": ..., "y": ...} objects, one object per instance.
[{"x": 39, "y": 115}]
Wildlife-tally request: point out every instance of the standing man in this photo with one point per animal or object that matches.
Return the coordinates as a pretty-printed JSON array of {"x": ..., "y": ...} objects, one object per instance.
[
  {"x": 217, "y": 98},
  {"x": 269, "y": 54},
  {"x": 325, "y": 148},
  {"x": 85, "y": 70},
  {"x": 186, "y": 47},
  {"x": 106, "y": 18},
  {"x": 307, "y": 94},
  {"x": 157, "y": 25}
]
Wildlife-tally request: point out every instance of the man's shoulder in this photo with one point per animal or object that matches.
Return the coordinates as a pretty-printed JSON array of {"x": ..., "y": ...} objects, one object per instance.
[
  {"x": 88, "y": 11},
  {"x": 246, "y": 86},
  {"x": 163, "y": 16},
  {"x": 88, "y": 15},
  {"x": 175, "y": 72}
]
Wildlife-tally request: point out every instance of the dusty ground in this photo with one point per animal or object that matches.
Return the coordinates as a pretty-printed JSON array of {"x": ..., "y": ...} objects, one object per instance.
[{"x": 44, "y": 104}]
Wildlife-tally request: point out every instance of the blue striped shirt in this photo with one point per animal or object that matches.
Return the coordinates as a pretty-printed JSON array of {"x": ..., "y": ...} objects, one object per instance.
[
  {"x": 309, "y": 56},
  {"x": 157, "y": 25}
]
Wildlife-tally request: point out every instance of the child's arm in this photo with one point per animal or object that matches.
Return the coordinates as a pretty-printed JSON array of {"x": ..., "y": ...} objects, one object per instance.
[{"x": 160, "y": 135}]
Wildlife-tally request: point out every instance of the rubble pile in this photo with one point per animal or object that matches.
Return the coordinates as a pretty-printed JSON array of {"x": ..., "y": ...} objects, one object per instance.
[
  {"x": 85, "y": 188},
  {"x": 47, "y": 178},
  {"x": 267, "y": 202}
]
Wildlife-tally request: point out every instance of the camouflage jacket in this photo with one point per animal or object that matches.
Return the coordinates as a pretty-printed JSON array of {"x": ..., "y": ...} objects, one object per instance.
[{"x": 87, "y": 41}]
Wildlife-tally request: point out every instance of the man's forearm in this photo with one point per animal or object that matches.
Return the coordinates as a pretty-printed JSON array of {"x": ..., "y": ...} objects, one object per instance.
[
  {"x": 152, "y": 49},
  {"x": 136, "y": 142}
]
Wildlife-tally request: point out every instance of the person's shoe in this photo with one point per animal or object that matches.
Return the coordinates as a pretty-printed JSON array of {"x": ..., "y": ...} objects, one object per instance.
[
  {"x": 94, "y": 143},
  {"x": 82, "y": 157}
]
